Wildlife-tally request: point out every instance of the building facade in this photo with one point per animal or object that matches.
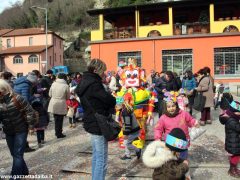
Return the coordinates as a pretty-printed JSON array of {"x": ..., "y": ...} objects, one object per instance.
[
  {"x": 25, "y": 49},
  {"x": 177, "y": 36}
]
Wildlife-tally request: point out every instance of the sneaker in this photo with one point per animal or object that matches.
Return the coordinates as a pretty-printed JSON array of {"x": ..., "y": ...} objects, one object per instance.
[
  {"x": 43, "y": 142},
  {"x": 138, "y": 153},
  {"x": 202, "y": 123},
  {"x": 70, "y": 125},
  {"x": 28, "y": 149},
  {"x": 73, "y": 125},
  {"x": 61, "y": 136},
  {"x": 209, "y": 122},
  {"x": 125, "y": 157}
]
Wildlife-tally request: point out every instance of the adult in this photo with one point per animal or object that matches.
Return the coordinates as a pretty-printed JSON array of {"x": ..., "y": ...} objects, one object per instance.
[
  {"x": 208, "y": 72},
  {"x": 59, "y": 93},
  {"x": 76, "y": 80},
  {"x": 24, "y": 86},
  {"x": 151, "y": 78},
  {"x": 205, "y": 86},
  {"x": 113, "y": 82},
  {"x": 92, "y": 93},
  {"x": 16, "y": 125},
  {"x": 177, "y": 80},
  {"x": 165, "y": 83},
  {"x": 189, "y": 84},
  {"x": 46, "y": 82},
  {"x": 7, "y": 76}
]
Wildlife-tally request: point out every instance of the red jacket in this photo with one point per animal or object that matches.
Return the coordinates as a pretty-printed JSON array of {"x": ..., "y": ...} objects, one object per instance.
[{"x": 72, "y": 103}]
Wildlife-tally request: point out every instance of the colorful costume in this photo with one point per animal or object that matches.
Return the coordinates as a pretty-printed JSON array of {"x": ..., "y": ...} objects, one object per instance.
[{"x": 136, "y": 98}]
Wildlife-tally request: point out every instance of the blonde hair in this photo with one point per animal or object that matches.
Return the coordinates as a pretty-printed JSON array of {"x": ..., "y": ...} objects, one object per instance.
[
  {"x": 5, "y": 88},
  {"x": 97, "y": 66}
]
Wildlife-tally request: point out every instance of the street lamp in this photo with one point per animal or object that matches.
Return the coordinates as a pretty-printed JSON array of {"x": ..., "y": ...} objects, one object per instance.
[{"x": 46, "y": 31}]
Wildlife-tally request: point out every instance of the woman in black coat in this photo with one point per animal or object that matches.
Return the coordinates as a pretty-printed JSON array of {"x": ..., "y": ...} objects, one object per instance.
[{"x": 94, "y": 97}]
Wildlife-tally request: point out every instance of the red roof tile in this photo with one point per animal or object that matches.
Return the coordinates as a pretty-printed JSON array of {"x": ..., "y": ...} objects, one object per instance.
[
  {"x": 24, "y": 50},
  {"x": 4, "y": 31},
  {"x": 28, "y": 31}
]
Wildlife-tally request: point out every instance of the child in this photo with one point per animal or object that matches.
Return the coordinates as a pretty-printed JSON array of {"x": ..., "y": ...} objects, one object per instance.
[
  {"x": 182, "y": 100},
  {"x": 231, "y": 119},
  {"x": 42, "y": 123},
  {"x": 130, "y": 126},
  {"x": 164, "y": 157},
  {"x": 174, "y": 117},
  {"x": 72, "y": 103}
]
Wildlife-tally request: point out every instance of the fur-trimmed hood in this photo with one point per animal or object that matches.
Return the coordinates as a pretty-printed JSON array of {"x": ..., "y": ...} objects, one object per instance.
[{"x": 157, "y": 154}]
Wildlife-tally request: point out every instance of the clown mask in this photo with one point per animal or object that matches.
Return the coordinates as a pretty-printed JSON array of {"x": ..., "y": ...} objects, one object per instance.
[{"x": 132, "y": 78}]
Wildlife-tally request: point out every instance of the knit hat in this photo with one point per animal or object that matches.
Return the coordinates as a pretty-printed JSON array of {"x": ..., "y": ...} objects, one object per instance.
[
  {"x": 234, "y": 106},
  {"x": 176, "y": 140},
  {"x": 32, "y": 77}
]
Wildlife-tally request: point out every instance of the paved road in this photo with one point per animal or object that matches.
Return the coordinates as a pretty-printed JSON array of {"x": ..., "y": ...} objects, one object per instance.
[{"x": 208, "y": 158}]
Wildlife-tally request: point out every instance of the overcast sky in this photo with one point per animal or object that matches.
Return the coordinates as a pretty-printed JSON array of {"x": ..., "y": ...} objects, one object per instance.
[{"x": 7, "y": 3}]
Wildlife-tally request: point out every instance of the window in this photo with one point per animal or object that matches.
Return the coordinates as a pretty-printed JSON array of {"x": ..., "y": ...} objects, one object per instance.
[
  {"x": 124, "y": 56},
  {"x": 33, "y": 59},
  {"x": 19, "y": 75},
  {"x": 30, "y": 41},
  {"x": 178, "y": 61},
  {"x": 227, "y": 61},
  {"x": 55, "y": 57},
  {"x": 17, "y": 60},
  {"x": 50, "y": 60},
  {"x": 60, "y": 44},
  {"x": 60, "y": 58},
  {"x": 9, "y": 43}
]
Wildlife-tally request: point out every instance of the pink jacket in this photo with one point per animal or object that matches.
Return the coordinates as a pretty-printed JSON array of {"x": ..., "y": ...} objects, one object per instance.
[{"x": 165, "y": 124}]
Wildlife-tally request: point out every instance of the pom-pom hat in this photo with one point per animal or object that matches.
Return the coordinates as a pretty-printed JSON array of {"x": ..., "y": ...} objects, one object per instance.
[{"x": 176, "y": 140}]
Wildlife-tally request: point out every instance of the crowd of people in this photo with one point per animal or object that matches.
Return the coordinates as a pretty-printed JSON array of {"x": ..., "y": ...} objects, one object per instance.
[{"x": 28, "y": 102}]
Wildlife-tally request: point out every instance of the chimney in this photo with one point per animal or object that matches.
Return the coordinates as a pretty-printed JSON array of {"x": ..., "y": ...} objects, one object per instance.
[{"x": 42, "y": 28}]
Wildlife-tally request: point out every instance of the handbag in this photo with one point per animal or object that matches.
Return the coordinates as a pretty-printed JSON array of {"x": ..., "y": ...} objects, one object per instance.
[
  {"x": 108, "y": 126},
  {"x": 70, "y": 112},
  {"x": 195, "y": 132},
  {"x": 199, "y": 101}
]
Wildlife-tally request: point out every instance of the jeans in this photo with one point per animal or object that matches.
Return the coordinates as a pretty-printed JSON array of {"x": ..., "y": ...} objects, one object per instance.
[
  {"x": 16, "y": 144},
  {"x": 99, "y": 157},
  {"x": 129, "y": 147},
  {"x": 40, "y": 136},
  {"x": 58, "y": 124}
]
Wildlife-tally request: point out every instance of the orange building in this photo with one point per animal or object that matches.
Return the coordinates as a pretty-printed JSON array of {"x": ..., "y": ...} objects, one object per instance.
[
  {"x": 177, "y": 36},
  {"x": 23, "y": 50}
]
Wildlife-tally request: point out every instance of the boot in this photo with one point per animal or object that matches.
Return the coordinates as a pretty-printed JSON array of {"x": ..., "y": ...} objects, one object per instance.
[{"x": 233, "y": 171}]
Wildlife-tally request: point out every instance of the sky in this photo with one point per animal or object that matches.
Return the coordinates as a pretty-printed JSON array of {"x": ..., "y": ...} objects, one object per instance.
[{"x": 7, "y": 3}]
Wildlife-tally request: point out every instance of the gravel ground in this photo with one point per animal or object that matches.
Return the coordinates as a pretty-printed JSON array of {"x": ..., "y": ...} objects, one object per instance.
[{"x": 56, "y": 153}]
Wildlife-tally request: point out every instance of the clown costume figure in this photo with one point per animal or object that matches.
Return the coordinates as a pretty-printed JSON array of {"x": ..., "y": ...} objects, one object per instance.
[{"x": 137, "y": 98}]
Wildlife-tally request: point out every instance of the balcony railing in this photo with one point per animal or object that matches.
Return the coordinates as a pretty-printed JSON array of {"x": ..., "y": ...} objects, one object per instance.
[
  {"x": 191, "y": 28},
  {"x": 119, "y": 33}
]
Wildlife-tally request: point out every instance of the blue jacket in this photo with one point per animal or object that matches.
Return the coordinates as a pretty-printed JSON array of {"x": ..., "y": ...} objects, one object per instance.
[
  {"x": 22, "y": 86},
  {"x": 189, "y": 84}
]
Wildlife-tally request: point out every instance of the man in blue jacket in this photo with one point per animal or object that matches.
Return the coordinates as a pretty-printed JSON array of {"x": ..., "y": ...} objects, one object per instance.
[{"x": 23, "y": 86}]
